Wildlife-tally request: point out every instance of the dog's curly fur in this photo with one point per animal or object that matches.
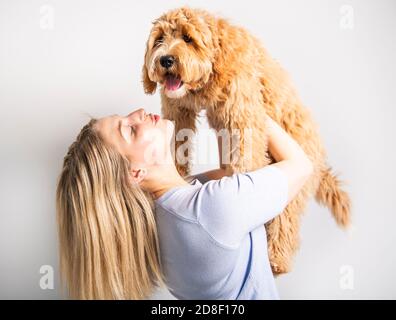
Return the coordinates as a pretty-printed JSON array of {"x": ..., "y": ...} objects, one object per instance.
[{"x": 226, "y": 70}]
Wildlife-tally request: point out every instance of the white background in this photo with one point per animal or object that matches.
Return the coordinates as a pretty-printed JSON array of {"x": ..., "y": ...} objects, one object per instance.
[{"x": 89, "y": 61}]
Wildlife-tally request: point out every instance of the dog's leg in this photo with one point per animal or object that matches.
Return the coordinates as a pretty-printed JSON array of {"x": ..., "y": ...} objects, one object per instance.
[
  {"x": 283, "y": 235},
  {"x": 184, "y": 119},
  {"x": 242, "y": 141},
  {"x": 283, "y": 230}
]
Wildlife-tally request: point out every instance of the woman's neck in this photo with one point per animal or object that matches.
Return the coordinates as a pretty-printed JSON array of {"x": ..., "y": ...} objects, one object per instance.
[{"x": 161, "y": 179}]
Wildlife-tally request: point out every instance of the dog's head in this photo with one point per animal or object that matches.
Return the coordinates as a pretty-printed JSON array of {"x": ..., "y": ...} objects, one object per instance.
[{"x": 180, "y": 52}]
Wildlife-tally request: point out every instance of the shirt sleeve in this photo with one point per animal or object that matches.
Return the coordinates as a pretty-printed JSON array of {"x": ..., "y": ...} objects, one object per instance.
[{"x": 233, "y": 206}]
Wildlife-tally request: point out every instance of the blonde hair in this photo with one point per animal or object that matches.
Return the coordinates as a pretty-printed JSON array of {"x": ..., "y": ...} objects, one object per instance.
[{"x": 108, "y": 239}]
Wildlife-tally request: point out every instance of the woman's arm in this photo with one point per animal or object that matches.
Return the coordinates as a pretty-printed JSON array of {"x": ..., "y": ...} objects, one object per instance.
[
  {"x": 233, "y": 206},
  {"x": 290, "y": 157}
]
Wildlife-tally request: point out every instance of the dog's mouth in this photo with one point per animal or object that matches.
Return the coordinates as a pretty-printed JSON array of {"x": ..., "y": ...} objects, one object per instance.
[{"x": 172, "y": 82}]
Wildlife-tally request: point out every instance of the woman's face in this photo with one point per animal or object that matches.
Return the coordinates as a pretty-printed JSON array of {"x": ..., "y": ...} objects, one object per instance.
[{"x": 143, "y": 138}]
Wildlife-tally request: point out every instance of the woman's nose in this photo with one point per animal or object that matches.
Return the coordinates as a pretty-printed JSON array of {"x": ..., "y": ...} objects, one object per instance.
[
  {"x": 143, "y": 114},
  {"x": 139, "y": 114}
]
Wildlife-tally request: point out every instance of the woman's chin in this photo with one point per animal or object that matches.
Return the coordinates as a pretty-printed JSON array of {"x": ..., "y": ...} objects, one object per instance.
[
  {"x": 169, "y": 125},
  {"x": 167, "y": 128}
]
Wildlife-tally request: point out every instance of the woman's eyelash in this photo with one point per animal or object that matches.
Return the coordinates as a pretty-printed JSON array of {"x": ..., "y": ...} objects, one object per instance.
[{"x": 132, "y": 129}]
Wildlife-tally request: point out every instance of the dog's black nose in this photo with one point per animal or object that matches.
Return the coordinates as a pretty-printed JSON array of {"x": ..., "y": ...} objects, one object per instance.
[{"x": 167, "y": 61}]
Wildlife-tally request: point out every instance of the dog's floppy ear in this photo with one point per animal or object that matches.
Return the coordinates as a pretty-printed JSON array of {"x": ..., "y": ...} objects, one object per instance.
[{"x": 149, "y": 86}]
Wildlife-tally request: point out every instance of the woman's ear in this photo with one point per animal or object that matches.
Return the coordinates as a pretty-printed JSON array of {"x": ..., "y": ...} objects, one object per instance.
[
  {"x": 149, "y": 86},
  {"x": 137, "y": 175}
]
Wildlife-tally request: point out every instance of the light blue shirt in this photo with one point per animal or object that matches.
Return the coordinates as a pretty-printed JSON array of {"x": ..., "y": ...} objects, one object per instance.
[{"x": 213, "y": 244}]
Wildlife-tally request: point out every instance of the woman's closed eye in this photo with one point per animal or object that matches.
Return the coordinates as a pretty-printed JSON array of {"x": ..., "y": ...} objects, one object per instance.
[{"x": 132, "y": 129}]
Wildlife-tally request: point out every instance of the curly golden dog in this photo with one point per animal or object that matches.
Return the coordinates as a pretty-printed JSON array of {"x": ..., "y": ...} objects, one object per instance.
[{"x": 204, "y": 62}]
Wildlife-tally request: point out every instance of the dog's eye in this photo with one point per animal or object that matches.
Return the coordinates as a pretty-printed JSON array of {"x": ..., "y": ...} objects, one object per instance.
[
  {"x": 187, "y": 38},
  {"x": 159, "y": 40}
]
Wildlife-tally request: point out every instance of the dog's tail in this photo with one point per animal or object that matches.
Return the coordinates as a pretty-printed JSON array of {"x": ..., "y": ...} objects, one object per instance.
[{"x": 332, "y": 196}]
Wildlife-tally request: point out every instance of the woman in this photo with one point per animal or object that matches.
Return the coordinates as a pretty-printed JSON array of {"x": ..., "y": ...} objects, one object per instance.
[{"x": 128, "y": 222}]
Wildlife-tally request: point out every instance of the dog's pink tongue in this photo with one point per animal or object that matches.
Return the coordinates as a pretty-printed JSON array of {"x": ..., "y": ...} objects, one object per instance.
[{"x": 172, "y": 82}]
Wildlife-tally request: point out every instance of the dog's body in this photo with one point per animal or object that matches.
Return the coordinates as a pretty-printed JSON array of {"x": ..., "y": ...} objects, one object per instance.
[{"x": 212, "y": 64}]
